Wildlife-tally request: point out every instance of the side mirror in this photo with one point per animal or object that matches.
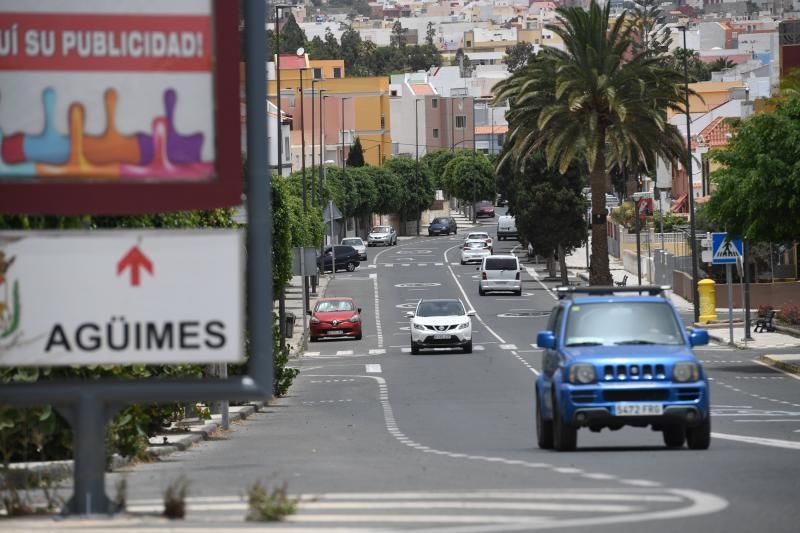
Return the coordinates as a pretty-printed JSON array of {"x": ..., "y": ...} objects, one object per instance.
[
  {"x": 309, "y": 312},
  {"x": 546, "y": 339},
  {"x": 409, "y": 314},
  {"x": 359, "y": 309},
  {"x": 471, "y": 313},
  {"x": 698, "y": 337}
]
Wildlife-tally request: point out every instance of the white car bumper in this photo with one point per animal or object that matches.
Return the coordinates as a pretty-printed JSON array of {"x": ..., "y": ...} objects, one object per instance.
[
  {"x": 434, "y": 337},
  {"x": 501, "y": 285}
]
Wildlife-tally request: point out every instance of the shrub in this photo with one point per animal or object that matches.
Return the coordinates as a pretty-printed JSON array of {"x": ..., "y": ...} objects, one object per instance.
[
  {"x": 175, "y": 498},
  {"x": 267, "y": 505},
  {"x": 763, "y": 310},
  {"x": 790, "y": 313}
]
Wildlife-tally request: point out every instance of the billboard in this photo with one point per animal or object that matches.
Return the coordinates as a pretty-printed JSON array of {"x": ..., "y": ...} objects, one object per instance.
[{"x": 118, "y": 106}]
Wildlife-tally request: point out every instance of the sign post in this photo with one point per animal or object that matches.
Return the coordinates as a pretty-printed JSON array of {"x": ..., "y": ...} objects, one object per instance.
[
  {"x": 726, "y": 251},
  {"x": 88, "y": 405}
]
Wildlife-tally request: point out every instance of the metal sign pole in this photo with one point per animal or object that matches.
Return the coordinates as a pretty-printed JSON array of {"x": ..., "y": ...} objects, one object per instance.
[{"x": 729, "y": 280}]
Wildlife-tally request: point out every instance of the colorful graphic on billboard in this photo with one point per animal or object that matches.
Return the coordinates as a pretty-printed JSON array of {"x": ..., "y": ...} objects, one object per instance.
[{"x": 97, "y": 90}]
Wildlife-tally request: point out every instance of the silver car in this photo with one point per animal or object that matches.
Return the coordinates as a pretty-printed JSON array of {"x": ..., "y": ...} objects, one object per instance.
[
  {"x": 500, "y": 273},
  {"x": 385, "y": 235},
  {"x": 474, "y": 250},
  {"x": 358, "y": 244}
]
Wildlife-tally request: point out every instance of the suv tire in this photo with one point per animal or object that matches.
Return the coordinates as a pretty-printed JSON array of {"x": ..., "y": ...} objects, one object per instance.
[
  {"x": 565, "y": 436},
  {"x": 468, "y": 346},
  {"x": 544, "y": 428},
  {"x": 699, "y": 437},
  {"x": 351, "y": 266},
  {"x": 481, "y": 292},
  {"x": 414, "y": 348},
  {"x": 674, "y": 435}
]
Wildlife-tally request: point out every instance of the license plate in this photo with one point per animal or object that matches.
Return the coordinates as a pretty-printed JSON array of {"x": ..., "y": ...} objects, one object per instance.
[
  {"x": 639, "y": 409},
  {"x": 335, "y": 332},
  {"x": 441, "y": 336}
]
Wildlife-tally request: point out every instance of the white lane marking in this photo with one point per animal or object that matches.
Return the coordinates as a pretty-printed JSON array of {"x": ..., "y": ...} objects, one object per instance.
[
  {"x": 344, "y": 352},
  {"x": 377, "y": 304},
  {"x": 406, "y": 264},
  {"x": 310, "y": 354},
  {"x": 466, "y": 298},
  {"x": 508, "y": 346},
  {"x": 761, "y": 441},
  {"x": 373, "y": 369},
  {"x": 405, "y": 350},
  {"x": 372, "y": 266},
  {"x": 379, "y": 351},
  {"x": 773, "y": 420},
  {"x": 782, "y": 371},
  {"x": 455, "y": 504},
  {"x": 532, "y": 273},
  {"x": 373, "y": 276},
  {"x": 701, "y": 503},
  {"x": 524, "y": 362},
  {"x": 438, "y": 264}
]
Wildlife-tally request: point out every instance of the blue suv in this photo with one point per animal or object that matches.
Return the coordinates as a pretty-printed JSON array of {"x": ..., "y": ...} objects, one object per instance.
[{"x": 620, "y": 356}]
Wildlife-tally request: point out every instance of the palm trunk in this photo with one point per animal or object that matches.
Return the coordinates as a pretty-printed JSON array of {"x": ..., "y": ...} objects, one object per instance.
[{"x": 599, "y": 272}]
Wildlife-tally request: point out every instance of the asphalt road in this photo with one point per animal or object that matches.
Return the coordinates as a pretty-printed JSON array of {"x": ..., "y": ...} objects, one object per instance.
[{"x": 376, "y": 438}]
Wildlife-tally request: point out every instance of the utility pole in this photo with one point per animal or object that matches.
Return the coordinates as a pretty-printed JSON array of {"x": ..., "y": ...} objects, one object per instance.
[{"x": 416, "y": 169}]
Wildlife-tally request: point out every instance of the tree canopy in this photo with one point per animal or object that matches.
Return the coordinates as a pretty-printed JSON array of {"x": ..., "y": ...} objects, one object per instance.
[
  {"x": 517, "y": 56},
  {"x": 758, "y": 185},
  {"x": 355, "y": 157},
  {"x": 469, "y": 169},
  {"x": 416, "y": 188}
]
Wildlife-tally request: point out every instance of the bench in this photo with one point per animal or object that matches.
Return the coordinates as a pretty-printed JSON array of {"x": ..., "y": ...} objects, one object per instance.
[
  {"x": 766, "y": 323},
  {"x": 622, "y": 283}
]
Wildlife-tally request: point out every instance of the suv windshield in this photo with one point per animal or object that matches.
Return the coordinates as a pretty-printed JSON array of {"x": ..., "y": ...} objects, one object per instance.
[
  {"x": 448, "y": 308},
  {"x": 500, "y": 263},
  {"x": 619, "y": 323},
  {"x": 381, "y": 229}
]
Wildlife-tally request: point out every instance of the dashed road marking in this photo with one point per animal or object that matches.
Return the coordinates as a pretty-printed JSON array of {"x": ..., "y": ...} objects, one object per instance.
[
  {"x": 508, "y": 346},
  {"x": 373, "y": 369},
  {"x": 379, "y": 351},
  {"x": 344, "y": 352}
]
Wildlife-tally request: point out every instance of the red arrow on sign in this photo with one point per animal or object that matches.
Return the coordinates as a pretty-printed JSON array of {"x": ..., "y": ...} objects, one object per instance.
[{"x": 134, "y": 260}]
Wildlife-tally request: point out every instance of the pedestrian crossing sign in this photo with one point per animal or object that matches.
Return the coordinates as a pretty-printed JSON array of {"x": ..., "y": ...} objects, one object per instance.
[{"x": 723, "y": 251}]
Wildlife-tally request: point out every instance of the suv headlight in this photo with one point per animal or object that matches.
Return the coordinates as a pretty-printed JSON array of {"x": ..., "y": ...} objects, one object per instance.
[
  {"x": 463, "y": 326},
  {"x": 683, "y": 372},
  {"x": 419, "y": 326},
  {"x": 582, "y": 373}
]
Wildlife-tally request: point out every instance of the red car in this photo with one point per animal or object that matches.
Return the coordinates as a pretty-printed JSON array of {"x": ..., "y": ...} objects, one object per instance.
[
  {"x": 484, "y": 209},
  {"x": 335, "y": 317}
]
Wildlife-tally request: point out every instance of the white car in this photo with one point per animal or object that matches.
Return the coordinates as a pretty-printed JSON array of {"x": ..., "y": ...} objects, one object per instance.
[
  {"x": 479, "y": 236},
  {"x": 385, "y": 235},
  {"x": 441, "y": 323},
  {"x": 358, "y": 244},
  {"x": 500, "y": 273},
  {"x": 474, "y": 251}
]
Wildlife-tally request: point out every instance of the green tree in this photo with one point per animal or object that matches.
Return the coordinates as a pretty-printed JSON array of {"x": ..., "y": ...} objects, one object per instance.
[
  {"x": 650, "y": 31},
  {"x": 416, "y": 189},
  {"x": 389, "y": 190},
  {"x": 327, "y": 48},
  {"x": 421, "y": 57},
  {"x": 721, "y": 63},
  {"x": 398, "y": 37},
  {"x": 436, "y": 161},
  {"x": 430, "y": 35},
  {"x": 353, "y": 191},
  {"x": 759, "y": 183},
  {"x": 517, "y": 56},
  {"x": 469, "y": 172},
  {"x": 351, "y": 47},
  {"x": 596, "y": 100},
  {"x": 355, "y": 158},
  {"x": 292, "y": 37},
  {"x": 697, "y": 70}
]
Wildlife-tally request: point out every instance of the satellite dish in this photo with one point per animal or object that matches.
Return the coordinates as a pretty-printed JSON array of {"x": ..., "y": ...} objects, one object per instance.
[{"x": 301, "y": 51}]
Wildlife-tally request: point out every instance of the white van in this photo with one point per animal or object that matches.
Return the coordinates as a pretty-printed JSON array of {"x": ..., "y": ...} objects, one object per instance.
[
  {"x": 500, "y": 273},
  {"x": 506, "y": 227}
]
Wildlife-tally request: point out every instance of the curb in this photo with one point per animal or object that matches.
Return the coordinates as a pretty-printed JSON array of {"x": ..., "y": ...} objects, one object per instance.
[
  {"x": 59, "y": 470},
  {"x": 788, "y": 366}
]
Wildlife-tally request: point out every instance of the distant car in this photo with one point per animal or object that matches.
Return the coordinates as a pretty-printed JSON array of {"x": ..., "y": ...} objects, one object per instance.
[
  {"x": 441, "y": 323},
  {"x": 614, "y": 358},
  {"x": 346, "y": 257},
  {"x": 500, "y": 273},
  {"x": 480, "y": 236},
  {"x": 443, "y": 225},
  {"x": 474, "y": 251},
  {"x": 335, "y": 317},
  {"x": 501, "y": 201},
  {"x": 484, "y": 209},
  {"x": 385, "y": 235},
  {"x": 506, "y": 228},
  {"x": 358, "y": 244}
]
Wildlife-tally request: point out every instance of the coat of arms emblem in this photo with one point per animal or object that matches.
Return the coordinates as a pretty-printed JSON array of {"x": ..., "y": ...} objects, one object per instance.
[{"x": 9, "y": 299}]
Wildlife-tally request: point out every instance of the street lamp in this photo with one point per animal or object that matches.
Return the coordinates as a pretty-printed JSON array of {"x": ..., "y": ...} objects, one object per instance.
[
  {"x": 278, "y": 7},
  {"x": 416, "y": 143},
  {"x": 314, "y": 81},
  {"x": 321, "y": 141},
  {"x": 301, "y": 53},
  {"x": 474, "y": 175},
  {"x": 343, "y": 161},
  {"x": 692, "y": 229}
]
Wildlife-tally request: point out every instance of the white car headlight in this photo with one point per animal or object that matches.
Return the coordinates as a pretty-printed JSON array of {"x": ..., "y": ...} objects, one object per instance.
[
  {"x": 419, "y": 326},
  {"x": 463, "y": 326},
  {"x": 355, "y": 318},
  {"x": 683, "y": 372},
  {"x": 582, "y": 373}
]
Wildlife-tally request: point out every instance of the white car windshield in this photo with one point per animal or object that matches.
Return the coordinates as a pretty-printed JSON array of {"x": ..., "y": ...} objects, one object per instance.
[
  {"x": 381, "y": 229},
  {"x": 441, "y": 308},
  {"x": 477, "y": 236}
]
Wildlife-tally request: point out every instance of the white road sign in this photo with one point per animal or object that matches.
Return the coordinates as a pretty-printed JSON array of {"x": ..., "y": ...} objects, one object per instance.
[{"x": 121, "y": 297}]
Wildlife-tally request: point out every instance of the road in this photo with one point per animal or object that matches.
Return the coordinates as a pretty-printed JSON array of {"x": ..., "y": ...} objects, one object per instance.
[{"x": 376, "y": 438}]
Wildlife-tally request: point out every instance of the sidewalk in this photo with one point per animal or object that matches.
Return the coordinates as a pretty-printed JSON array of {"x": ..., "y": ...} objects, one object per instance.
[{"x": 718, "y": 331}]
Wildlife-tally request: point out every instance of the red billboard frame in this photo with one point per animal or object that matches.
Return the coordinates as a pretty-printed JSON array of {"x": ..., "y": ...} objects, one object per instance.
[{"x": 114, "y": 198}]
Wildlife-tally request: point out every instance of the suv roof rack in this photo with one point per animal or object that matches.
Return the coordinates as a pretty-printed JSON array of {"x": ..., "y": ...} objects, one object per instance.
[{"x": 604, "y": 290}]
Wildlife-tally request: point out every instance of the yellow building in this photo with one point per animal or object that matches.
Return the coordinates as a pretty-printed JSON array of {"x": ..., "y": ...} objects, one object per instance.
[{"x": 352, "y": 107}]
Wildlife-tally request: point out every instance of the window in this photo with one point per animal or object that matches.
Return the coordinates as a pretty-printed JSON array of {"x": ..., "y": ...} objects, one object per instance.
[
  {"x": 286, "y": 149},
  {"x": 435, "y": 133},
  {"x": 435, "y": 103},
  {"x": 317, "y": 73},
  {"x": 337, "y": 72},
  {"x": 383, "y": 122},
  {"x": 461, "y": 121}
]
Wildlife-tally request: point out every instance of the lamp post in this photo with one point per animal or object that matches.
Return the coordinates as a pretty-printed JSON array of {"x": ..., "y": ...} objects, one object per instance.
[
  {"x": 416, "y": 143},
  {"x": 692, "y": 229},
  {"x": 301, "y": 53},
  {"x": 474, "y": 175},
  {"x": 278, "y": 7},
  {"x": 313, "y": 146},
  {"x": 343, "y": 161},
  {"x": 321, "y": 142}
]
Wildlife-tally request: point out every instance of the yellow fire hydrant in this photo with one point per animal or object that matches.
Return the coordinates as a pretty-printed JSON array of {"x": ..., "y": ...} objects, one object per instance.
[{"x": 708, "y": 300}]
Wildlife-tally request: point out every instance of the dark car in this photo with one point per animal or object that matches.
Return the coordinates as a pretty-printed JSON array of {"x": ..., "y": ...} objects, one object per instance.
[
  {"x": 443, "y": 226},
  {"x": 484, "y": 209},
  {"x": 613, "y": 358},
  {"x": 346, "y": 257}
]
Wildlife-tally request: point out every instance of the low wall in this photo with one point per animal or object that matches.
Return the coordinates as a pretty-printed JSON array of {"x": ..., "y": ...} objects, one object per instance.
[{"x": 774, "y": 294}]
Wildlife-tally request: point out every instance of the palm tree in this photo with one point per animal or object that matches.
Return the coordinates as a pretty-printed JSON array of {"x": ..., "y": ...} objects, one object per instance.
[
  {"x": 721, "y": 63},
  {"x": 600, "y": 100}
]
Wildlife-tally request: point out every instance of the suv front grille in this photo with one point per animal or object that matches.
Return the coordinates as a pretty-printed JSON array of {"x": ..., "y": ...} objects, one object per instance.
[
  {"x": 636, "y": 395},
  {"x": 633, "y": 372},
  {"x": 687, "y": 394},
  {"x": 441, "y": 328}
]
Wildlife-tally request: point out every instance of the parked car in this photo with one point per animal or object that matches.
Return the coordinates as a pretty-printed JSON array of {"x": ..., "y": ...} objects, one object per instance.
[
  {"x": 501, "y": 201},
  {"x": 474, "y": 251},
  {"x": 500, "y": 273},
  {"x": 385, "y": 235},
  {"x": 358, "y": 244},
  {"x": 480, "y": 236},
  {"x": 335, "y": 317},
  {"x": 506, "y": 227},
  {"x": 443, "y": 225},
  {"x": 346, "y": 257},
  {"x": 441, "y": 323},
  {"x": 615, "y": 358},
  {"x": 484, "y": 209}
]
